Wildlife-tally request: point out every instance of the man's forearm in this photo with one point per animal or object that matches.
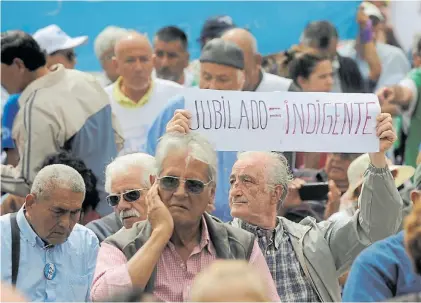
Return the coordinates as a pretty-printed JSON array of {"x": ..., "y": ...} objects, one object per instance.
[{"x": 142, "y": 264}]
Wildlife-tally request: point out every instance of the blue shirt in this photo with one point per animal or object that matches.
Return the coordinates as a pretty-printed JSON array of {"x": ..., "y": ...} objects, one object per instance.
[
  {"x": 75, "y": 262},
  {"x": 381, "y": 272},
  {"x": 10, "y": 111},
  {"x": 226, "y": 159}
]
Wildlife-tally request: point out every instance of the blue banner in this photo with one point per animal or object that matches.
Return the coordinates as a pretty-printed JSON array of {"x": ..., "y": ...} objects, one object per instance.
[{"x": 276, "y": 25}]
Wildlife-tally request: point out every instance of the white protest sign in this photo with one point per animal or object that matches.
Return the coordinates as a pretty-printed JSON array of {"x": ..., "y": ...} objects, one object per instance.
[{"x": 285, "y": 121}]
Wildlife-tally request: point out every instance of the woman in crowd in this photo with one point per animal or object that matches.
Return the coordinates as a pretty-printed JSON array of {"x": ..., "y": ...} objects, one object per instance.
[{"x": 311, "y": 73}]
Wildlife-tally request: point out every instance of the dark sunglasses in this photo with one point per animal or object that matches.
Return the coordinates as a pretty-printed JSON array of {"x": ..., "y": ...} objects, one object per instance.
[
  {"x": 192, "y": 186},
  {"x": 129, "y": 196}
]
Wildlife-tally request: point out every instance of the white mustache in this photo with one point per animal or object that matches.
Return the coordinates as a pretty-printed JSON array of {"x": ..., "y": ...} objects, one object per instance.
[{"x": 129, "y": 213}]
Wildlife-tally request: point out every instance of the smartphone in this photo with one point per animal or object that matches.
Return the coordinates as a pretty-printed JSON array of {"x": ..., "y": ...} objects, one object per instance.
[{"x": 314, "y": 191}]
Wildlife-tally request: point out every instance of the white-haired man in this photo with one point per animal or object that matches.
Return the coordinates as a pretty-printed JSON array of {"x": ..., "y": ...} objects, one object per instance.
[
  {"x": 164, "y": 253},
  {"x": 104, "y": 50},
  {"x": 45, "y": 253},
  {"x": 127, "y": 180},
  {"x": 306, "y": 259}
]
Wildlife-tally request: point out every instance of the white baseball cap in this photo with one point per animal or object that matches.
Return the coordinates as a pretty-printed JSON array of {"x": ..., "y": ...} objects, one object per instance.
[
  {"x": 371, "y": 10},
  {"x": 52, "y": 39}
]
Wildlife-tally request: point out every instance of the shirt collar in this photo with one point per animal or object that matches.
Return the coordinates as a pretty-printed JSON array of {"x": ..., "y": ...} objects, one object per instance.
[
  {"x": 26, "y": 230},
  {"x": 275, "y": 233},
  {"x": 205, "y": 238},
  {"x": 125, "y": 101}
]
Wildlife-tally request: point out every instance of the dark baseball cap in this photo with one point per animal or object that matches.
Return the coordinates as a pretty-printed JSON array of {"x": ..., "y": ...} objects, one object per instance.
[
  {"x": 222, "y": 52},
  {"x": 215, "y": 26}
]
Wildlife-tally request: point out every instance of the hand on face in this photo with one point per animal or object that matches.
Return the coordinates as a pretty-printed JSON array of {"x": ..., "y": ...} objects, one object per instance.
[
  {"x": 180, "y": 122},
  {"x": 158, "y": 214}
]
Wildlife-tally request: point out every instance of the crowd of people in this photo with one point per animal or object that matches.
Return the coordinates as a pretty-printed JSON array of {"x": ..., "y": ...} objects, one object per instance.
[{"x": 108, "y": 195}]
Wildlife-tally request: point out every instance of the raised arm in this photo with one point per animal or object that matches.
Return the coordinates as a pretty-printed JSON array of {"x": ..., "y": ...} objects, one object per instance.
[{"x": 380, "y": 206}]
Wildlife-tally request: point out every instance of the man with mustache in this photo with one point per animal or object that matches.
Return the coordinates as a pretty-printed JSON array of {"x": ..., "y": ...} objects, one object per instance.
[
  {"x": 163, "y": 254},
  {"x": 44, "y": 252},
  {"x": 127, "y": 182}
]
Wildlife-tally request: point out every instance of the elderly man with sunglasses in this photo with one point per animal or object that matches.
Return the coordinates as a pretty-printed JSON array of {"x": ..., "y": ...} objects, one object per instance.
[
  {"x": 127, "y": 182},
  {"x": 163, "y": 254}
]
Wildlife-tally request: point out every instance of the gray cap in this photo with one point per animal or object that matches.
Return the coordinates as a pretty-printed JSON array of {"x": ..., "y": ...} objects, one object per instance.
[{"x": 222, "y": 52}]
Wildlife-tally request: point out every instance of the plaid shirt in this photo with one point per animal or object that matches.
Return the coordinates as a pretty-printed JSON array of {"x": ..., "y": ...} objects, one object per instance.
[{"x": 291, "y": 283}]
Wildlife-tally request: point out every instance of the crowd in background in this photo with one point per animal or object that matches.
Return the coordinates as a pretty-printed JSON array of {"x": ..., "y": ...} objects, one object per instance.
[{"x": 107, "y": 195}]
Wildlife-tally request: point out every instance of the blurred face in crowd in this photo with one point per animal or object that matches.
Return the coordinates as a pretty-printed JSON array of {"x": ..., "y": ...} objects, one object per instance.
[
  {"x": 220, "y": 77},
  {"x": 250, "y": 194},
  {"x": 14, "y": 77},
  {"x": 54, "y": 215},
  {"x": 127, "y": 196},
  {"x": 134, "y": 61},
  {"x": 336, "y": 168},
  {"x": 11, "y": 204},
  {"x": 252, "y": 60},
  {"x": 320, "y": 80},
  {"x": 108, "y": 66},
  {"x": 67, "y": 57},
  {"x": 185, "y": 187},
  {"x": 170, "y": 59}
]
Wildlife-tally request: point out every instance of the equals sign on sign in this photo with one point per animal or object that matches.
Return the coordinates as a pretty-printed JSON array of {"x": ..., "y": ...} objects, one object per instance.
[{"x": 275, "y": 109}]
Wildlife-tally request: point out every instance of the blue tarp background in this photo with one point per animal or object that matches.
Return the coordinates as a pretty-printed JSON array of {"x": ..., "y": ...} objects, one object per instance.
[{"x": 276, "y": 25}]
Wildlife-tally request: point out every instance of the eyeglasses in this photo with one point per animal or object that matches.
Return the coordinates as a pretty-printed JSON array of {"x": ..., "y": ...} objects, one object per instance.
[
  {"x": 192, "y": 186},
  {"x": 129, "y": 196}
]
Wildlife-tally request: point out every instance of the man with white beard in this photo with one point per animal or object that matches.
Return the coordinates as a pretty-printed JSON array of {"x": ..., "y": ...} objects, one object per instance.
[{"x": 127, "y": 180}]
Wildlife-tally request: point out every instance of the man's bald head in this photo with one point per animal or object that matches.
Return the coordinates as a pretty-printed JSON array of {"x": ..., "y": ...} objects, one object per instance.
[
  {"x": 252, "y": 59},
  {"x": 134, "y": 62},
  {"x": 243, "y": 38},
  {"x": 132, "y": 40}
]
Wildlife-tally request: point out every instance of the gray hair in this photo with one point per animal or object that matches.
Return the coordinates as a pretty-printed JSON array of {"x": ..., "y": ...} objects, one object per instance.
[
  {"x": 57, "y": 176},
  {"x": 197, "y": 146},
  {"x": 278, "y": 170},
  {"x": 108, "y": 38},
  {"x": 123, "y": 163}
]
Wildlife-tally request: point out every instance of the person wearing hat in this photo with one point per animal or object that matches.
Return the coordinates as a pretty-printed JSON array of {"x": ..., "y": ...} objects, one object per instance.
[
  {"x": 222, "y": 66},
  {"x": 384, "y": 270},
  {"x": 356, "y": 170},
  {"x": 213, "y": 27},
  {"x": 58, "y": 45}
]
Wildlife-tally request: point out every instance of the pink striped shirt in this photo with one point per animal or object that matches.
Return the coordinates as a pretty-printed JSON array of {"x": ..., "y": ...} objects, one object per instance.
[{"x": 174, "y": 277}]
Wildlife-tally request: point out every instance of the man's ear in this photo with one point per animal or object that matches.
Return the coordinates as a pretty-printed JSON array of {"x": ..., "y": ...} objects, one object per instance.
[
  {"x": 258, "y": 59},
  {"x": 152, "y": 179},
  {"x": 416, "y": 196},
  {"x": 277, "y": 193},
  {"x": 30, "y": 200}
]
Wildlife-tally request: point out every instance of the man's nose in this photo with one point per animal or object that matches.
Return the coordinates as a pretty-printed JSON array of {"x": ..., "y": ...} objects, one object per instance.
[{"x": 123, "y": 205}]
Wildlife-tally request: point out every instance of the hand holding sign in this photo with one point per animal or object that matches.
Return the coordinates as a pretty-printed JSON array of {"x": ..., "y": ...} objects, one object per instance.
[
  {"x": 180, "y": 122},
  {"x": 385, "y": 132}
]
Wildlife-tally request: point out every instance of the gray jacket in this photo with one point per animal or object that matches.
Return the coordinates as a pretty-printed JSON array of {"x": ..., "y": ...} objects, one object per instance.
[{"x": 326, "y": 250}]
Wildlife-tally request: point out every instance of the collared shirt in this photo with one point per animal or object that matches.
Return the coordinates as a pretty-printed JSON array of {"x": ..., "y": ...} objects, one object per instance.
[
  {"x": 135, "y": 118},
  {"x": 74, "y": 262},
  {"x": 174, "y": 277},
  {"x": 291, "y": 283},
  {"x": 125, "y": 101}
]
